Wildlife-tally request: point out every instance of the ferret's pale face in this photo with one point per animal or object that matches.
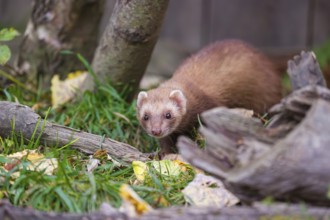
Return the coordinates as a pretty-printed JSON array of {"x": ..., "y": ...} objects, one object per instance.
[{"x": 160, "y": 114}]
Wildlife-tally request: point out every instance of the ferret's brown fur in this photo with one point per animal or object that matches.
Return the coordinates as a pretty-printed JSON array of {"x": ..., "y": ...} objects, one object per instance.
[{"x": 227, "y": 73}]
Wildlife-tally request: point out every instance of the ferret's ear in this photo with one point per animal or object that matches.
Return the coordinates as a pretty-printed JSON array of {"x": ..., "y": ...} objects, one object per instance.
[
  {"x": 179, "y": 98},
  {"x": 141, "y": 97}
]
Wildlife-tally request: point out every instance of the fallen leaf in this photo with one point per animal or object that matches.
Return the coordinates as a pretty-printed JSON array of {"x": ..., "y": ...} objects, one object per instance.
[
  {"x": 38, "y": 162},
  {"x": 115, "y": 162},
  {"x": 140, "y": 170},
  {"x": 47, "y": 165},
  {"x": 207, "y": 191},
  {"x": 92, "y": 164},
  {"x": 101, "y": 155},
  {"x": 177, "y": 158},
  {"x": 34, "y": 156},
  {"x": 164, "y": 167},
  {"x": 132, "y": 204},
  {"x": 10, "y": 165},
  {"x": 66, "y": 90},
  {"x": 20, "y": 154},
  {"x": 168, "y": 167}
]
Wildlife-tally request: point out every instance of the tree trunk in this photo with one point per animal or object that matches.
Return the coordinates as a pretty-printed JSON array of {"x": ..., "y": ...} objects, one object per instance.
[
  {"x": 55, "y": 26},
  {"x": 127, "y": 43},
  {"x": 26, "y": 122}
]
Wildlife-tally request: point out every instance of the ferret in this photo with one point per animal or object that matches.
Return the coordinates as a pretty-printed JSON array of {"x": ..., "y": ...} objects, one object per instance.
[{"x": 227, "y": 73}]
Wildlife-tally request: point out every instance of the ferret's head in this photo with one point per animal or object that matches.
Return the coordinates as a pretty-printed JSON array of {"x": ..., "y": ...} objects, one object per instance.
[{"x": 160, "y": 112}]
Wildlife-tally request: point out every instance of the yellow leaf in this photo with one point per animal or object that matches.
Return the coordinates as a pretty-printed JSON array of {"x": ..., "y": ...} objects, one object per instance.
[
  {"x": 132, "y": 204},
  {"x": 75, "y": 74},
  {"x": 183, "y": 165},
  {"x": 163, "y": 202},
  {"x": 48, "y": 165},
  {"x": 140, "y": 170},
  {"x": 167, "y": 167},
  {"x": 19, "y": 155},
  {"x": 34, "y": 156},
  {"x": 66, "y": 90}
]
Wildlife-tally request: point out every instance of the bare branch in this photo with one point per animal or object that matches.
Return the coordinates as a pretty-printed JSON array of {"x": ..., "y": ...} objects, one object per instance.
[{"x": 26, "y": 121}]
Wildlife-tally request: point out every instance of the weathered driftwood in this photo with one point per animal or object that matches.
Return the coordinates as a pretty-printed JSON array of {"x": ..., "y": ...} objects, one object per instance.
[
  {"x": 26, "y": 122},
  {"x": 304, "y": 70},
  {"x": 288, "y": 160},
  {"x": 258, "y": 211},
  {"x": 308, "y": 84}
]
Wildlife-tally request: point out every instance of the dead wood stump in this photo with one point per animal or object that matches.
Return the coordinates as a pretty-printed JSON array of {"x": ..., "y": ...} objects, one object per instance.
[{"x": 288, "y": 159}]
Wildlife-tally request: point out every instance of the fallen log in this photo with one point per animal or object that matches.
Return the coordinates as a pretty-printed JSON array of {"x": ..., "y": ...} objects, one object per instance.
[
  {"x": 10, "y": 212},
  {"x": 287, "y": 160},
  {"x": 304, "y": 70},
  {"x": 308, "y": 84},
  {"x": 24, "y": 121}
]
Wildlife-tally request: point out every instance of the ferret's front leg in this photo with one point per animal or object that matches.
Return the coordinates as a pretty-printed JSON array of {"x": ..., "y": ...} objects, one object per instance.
[{"x": 168, "y": 145}]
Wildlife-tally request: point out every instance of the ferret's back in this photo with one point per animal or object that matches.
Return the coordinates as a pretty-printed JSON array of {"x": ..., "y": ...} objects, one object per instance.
[{"x": 232, "y": 73}]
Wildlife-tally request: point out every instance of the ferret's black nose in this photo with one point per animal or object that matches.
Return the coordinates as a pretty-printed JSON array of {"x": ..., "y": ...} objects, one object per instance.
[{"x": 156, "y": 131}]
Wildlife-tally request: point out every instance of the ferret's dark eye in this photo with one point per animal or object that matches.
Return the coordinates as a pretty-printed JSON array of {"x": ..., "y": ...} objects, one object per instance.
[
  {"x": 146, "y": 117},
  {"x": 168, "y": 115}
]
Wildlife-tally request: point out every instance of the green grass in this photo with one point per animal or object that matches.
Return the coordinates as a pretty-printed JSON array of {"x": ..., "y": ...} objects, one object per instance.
[
  {"x": 161, "y": 190},
  {"x": 323, "y": 54},
  {"x": 71, "y": 188}
]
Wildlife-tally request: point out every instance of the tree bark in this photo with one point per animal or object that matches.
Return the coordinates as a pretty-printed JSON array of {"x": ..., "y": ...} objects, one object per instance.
[
  {"x": 55, "y": 26},
  {"x": 295, "y": 167},
  {"x": 288, "y": 159},
  {"x": 304, "y": 70},
  {"x": 127, "y": 43},
  {"x": 26, "y": 122}
]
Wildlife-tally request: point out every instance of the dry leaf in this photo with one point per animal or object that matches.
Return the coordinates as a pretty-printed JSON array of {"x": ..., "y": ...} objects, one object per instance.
[
  {"x": 169, "y": 167},
  {"x": 208, "y": 191},
  {"x": 10, "y": 165},
  {"x": 66, "y": 90},
  {"x": 165, "y": 167},
  {"x": 132, "y": 204},
  {"x": 140, "y": 170},
  {"x": 38, "y": 162},
  {"x": 48, "y": 165},
  {"x": 92, "y": 164},
  {"x": 101, "y": 154}
]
